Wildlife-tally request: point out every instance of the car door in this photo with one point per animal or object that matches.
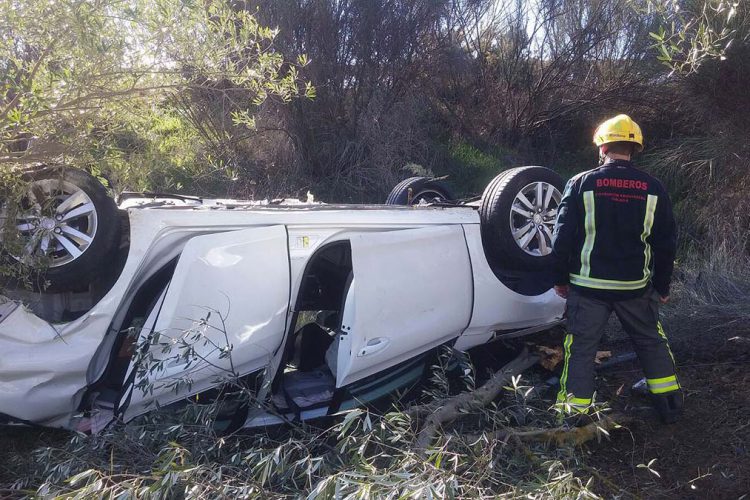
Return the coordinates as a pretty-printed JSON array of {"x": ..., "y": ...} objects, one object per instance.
[
  {"x": 412, "y": 291},
  {"x": 223, "y": 314}
]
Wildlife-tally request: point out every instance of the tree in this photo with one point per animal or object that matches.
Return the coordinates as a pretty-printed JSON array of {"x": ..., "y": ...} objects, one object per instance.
[
  {"x": 71, "y": 69},
  {"x": 696, "y": 31},
  {"x": 102, "y": 85}
]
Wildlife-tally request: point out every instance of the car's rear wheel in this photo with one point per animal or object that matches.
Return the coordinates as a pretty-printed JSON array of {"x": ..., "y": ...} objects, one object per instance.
[
  {"x": 416, "y": 190},
  {"x": 518, "y": 213},
  {"x": 68, "y": 228}
]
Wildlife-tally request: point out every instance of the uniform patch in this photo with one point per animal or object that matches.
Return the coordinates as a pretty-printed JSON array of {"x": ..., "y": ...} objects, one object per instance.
[{"x": 622, "y": 183}]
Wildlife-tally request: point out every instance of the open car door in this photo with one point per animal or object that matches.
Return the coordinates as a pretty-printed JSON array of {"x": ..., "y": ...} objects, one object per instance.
[
  {"x": 223, "y": 315},
  {"x": 412, "y": 291}
]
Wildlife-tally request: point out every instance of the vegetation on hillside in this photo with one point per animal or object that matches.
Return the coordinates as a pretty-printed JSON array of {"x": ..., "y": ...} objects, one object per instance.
[
  {"x": 201, "y": 98},
  {"x": 112, "y": 86}
]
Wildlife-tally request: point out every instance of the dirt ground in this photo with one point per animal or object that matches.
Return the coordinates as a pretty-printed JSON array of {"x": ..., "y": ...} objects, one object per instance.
[{"x": 706, "y": 454}]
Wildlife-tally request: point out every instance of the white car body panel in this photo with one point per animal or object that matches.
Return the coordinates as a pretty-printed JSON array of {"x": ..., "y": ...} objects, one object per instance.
[
  {"x": 220, "y": 289},
  {"x": 404, "y": 301},
  {"x": 42, "y": 367},
  {"x": 45, "y": 369},
  {"x": 498, "y": 308}
]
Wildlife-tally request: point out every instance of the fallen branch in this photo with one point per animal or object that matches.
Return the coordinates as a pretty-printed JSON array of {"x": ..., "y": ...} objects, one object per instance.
[
  {"x": 457, "y": 405},
  {"x": 567, "y": 436},
  {"x": 557, "y": 436}
]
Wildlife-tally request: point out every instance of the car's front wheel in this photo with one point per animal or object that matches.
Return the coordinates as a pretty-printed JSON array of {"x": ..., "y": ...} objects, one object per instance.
[
  {"x": 518, "y": 213},
  {"x": 68, "y": 227}
]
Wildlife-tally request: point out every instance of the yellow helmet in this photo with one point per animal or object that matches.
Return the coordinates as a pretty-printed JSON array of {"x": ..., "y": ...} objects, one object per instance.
[{"x": 619, "y": 128}]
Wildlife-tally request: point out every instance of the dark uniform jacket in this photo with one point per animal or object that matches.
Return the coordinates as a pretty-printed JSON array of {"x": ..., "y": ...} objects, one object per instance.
[{"x": 615, "y": 233}]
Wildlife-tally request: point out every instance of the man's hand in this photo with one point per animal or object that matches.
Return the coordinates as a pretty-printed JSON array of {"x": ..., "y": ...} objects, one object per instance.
[
  {"x": 663, "y": 300},
  {"x": 561, "y": 291}
]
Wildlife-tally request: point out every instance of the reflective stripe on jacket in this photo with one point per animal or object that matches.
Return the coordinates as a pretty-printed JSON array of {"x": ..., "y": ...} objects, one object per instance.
[{"x": 615, "y": 233}]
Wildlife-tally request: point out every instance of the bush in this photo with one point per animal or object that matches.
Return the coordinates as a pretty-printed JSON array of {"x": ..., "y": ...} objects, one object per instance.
[{"x": 470, "y": 170}]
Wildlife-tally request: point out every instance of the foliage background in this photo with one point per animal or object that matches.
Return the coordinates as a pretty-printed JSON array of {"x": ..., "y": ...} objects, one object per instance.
[{"x": 260, "y": 98}]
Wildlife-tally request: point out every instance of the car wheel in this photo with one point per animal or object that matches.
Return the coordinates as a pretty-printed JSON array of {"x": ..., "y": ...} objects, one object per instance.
[
  {"x": 518, "y": 213},
  {"x": 415, "y": 190},
  {"x": 68, "y": 227}
]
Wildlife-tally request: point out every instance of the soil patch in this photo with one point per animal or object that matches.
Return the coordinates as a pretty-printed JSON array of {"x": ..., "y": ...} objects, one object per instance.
[{"x": 708, "y": 452}]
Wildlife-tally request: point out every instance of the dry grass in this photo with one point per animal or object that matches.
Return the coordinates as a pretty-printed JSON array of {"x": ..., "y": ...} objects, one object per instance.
[{"x": 714, "y": 285}]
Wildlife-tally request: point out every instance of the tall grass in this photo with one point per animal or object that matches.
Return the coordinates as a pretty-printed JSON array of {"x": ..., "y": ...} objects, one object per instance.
[
  {"x": 714, "y": 283},
  {"x": 708, "y": 181}
]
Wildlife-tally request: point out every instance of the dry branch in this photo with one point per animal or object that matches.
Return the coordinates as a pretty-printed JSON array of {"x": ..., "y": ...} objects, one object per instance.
[
  {"x": 566, "y": 436},
  {"x": 453, "y": 407}
]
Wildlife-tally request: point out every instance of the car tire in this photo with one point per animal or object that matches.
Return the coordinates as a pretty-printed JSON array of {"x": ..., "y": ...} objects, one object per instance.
[
  {"x": 414, "y": 190},
  {"x": 73, "y": 225},
  {"x": 516, "y": 222}
]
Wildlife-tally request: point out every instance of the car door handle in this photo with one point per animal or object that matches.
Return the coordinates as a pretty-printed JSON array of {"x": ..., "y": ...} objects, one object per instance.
[{"x": 373, "y": 346}]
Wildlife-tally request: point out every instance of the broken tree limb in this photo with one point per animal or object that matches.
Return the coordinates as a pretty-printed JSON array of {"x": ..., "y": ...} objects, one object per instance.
[
  {"x": 453, "y": 407},
  {"x": 558, "y": 436},
  {"x": 567, "y": 436}
]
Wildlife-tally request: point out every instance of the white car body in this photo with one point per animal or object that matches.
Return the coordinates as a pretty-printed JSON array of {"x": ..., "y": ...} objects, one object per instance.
[{"x": 421, "y": 280}]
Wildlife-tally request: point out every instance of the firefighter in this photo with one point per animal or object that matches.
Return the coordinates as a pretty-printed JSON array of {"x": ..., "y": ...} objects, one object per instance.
[{"x": 615, "y": 243}]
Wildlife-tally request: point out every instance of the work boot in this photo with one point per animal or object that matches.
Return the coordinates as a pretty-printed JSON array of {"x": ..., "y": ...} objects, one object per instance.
[{"x": 668, "y": 406}]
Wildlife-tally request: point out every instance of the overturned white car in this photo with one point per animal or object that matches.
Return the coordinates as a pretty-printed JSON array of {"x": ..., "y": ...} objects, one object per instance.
[{"x": 320, "y": 307}]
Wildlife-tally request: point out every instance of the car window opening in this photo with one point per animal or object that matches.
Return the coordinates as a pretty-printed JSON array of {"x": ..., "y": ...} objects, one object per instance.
[
  {"x": 309, "y": 374},
  {"x": 107, "y": 390}
]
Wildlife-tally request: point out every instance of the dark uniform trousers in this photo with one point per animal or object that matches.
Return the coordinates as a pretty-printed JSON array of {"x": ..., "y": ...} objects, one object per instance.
[{"x": 587, "y": 317}]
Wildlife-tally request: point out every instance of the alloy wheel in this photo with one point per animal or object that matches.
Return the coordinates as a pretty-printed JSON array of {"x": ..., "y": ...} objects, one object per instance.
[
  {"x": 532, "y": 217},
  {"x": 57, "y": 222}
]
